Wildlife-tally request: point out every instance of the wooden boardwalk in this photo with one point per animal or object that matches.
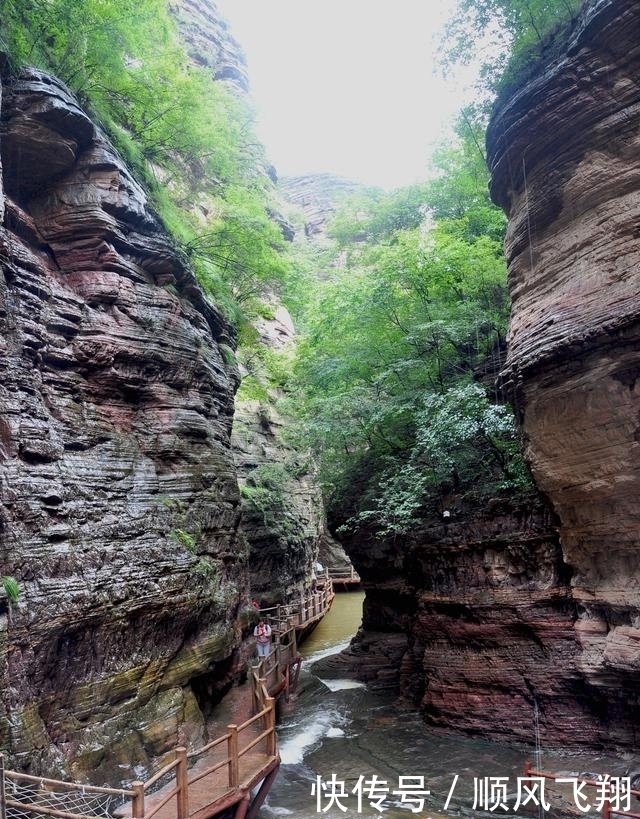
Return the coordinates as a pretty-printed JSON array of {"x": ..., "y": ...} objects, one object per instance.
[
  {"x": 305, "y": 615},
  {"x": 202, "y": 783},
  {"x": 345, "y": 578}
]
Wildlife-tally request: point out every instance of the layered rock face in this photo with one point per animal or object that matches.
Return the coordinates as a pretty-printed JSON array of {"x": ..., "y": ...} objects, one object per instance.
[
  {"x": 209, "y": 41},
  {"x": 471, "y": 620},
  {"x": 282, "y": 517},
  {"x": 564, "y": 152},
  {"x": 282, "y": 507},
  {"x": 120, "y": 505},
  {"x": 499, "y": 617},
  {"x": 316, "y": 195}
]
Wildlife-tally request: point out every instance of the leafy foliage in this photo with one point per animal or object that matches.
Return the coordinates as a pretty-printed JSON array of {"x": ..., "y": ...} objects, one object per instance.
[
  {"x": 395, "y": 347},
  {"x": 187, "y": 137},
  {"x": 264, "y": 491},
  {"x": 11, "y": 588},
  {"x": 505, "y": 35},
  {"x": 184, "y": 538}
]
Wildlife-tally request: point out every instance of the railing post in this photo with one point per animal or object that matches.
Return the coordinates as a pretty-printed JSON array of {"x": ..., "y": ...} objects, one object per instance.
[
  {"x": 606, "y": 803},
  {"x": 232, "y": 745},
  {"x": 137, "y": 804},
  {"x": 182, "y": 782},
  {"x": 271, "y": 722},
  {"x": 3, "y": 806}
]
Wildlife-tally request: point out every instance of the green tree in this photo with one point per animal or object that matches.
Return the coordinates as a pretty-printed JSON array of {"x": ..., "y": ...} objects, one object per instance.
[
  {"x": 503, "y": 35},
  {"x": 395, "y": 345},
  {"x": 186, "y": 136}
]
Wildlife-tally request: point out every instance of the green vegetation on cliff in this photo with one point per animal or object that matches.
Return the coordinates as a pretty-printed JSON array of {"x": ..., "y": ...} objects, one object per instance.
[
  {"x": 404, "y": 338},
  {"x": 402, "y": 347},
  {"x": 506, "y": 37},
  {"x": 399, "y": 368},
  {"x": 187, "y": 137}
]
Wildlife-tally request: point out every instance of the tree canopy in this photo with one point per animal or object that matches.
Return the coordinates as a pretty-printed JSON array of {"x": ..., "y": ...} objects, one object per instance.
[
  {"x": 403, "y": 312},
  {"x": 187, "y": 137},
  {"x": 504, "y": 37},
  {"x": 398, "y": 341}
]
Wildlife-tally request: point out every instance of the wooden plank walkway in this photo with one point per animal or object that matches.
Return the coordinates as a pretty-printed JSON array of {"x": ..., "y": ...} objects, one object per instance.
[
  {"x": 306, "y": 614},
  {"x": 345, "y": 578},
  {"x": 203, "y": 783}
]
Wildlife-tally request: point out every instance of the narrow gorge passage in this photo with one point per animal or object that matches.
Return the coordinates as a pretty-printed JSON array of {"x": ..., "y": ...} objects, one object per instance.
[
  {"x": 340, "y": 726},
  {"x": 221, "y": 377}
]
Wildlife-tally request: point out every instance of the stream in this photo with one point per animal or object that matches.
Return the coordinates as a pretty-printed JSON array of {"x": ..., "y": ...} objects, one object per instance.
[{"x": 337, "y": 734}]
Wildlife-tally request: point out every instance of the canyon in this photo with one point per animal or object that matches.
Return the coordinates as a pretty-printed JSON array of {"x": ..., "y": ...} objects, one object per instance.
[
  {"x": 121, "y": 501},
  {"x": 127, "y": 464},
  {"x": 488, "y": 618},
  {"x": 117, "y": 405}
]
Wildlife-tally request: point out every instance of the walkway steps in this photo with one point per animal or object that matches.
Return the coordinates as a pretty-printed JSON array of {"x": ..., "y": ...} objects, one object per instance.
[{"x": 199, "y": 784}]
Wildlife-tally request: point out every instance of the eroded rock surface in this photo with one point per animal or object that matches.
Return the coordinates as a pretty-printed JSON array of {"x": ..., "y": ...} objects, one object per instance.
[
  {"x": 210, "y": 42},
  {"x": 565, "y": 157},
  {"x": 508, "y": 612},
  {"x": 283, "y": 511},
  {"x": 317, "y": 195},
  {"x": 120, "y": 505},
  {"x": 283, "y": 518}
]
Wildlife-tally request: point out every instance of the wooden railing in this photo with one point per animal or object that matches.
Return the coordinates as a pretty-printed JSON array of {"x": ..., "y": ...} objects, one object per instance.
[
  {"x": 56, "y": 798},
  {"x": 272, "y": 673},
  {"x": 346, "y": 576},
  {"x": 313, "y": 606},
  {"x": 224, "y": 755},
  {"x": 606, "y": 810}
]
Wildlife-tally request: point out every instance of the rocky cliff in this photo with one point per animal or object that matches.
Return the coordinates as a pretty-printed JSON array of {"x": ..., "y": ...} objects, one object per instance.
[
  {"x": 121, "y": 510},
  {"x": 565, "y": 158},
  {"x": 282, "y": 507},
  {"x": 120, "y": 505},
  {"x": 209, "y": 41},
  {"x": 496, "y": 614},
  {"x": 317, "y": 195}
]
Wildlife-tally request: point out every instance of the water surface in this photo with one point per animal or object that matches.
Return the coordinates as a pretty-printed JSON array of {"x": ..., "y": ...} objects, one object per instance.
[{"x": 339, "y": 729}]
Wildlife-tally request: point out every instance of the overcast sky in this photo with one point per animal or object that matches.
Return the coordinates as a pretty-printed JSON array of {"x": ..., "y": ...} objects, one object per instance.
[{"x": 346, "y": 86}]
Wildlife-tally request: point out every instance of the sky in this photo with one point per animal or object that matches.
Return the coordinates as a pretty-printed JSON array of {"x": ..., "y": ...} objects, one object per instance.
[{"x": 346, "y": 87}]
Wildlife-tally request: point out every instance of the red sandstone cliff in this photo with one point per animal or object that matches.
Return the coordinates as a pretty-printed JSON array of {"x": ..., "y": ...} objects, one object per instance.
[
  {"x": 116, "y": 404},
  {"x": 483, "y": 618},
  {"x": 121, "y": 514},
  {"x": 565, "y": 158}
]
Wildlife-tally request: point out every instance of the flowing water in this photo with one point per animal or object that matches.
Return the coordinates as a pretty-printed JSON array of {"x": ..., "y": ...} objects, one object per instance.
[{"x": 337, "y": 733}]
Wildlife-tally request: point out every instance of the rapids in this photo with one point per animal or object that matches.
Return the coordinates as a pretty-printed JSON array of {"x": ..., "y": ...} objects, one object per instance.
[{"x": 339, "y": 728}]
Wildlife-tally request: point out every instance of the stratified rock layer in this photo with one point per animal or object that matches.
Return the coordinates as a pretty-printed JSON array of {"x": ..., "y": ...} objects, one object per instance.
[
  {"x": 282, "y": 508},
  {"x": 517, "y": 615},
  {"x": 209, "y": 41},
  {"x": 564, "y": 152},
  {"x": 282, "y": 518},
  {"x": 318, "y": 196},
  {"x": 484, "y": 605},
  {"x": 120, "y": 505}
]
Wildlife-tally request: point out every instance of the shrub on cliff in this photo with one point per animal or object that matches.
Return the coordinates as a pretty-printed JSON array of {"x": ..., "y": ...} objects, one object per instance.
[
  {"x": 186, "y": 136},
  {"x": 397, "y": 346},
  {"x": 505, "y": 37}
]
